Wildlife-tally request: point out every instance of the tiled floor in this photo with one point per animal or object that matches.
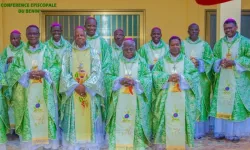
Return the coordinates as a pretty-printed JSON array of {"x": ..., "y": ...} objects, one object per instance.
[{"x": 207, "y": 143}]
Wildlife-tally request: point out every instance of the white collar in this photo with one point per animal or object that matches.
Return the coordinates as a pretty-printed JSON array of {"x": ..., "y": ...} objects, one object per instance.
[{"x": 34, "y": 48}]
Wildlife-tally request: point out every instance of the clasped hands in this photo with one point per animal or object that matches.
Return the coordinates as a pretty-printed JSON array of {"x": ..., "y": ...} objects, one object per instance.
[
  {"x": 81, "y": 90},
  {"x": 226, "y": 63},
  {"x": 174, "y": 78},
  {"x": 37, "y": 75},
  {"x": 127, "y": 82}
]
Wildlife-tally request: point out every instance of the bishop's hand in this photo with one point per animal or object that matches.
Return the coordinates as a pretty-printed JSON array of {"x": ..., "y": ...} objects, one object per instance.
[
  {"x": 195, "y": 61},
  {"x": 174, "y": 78},
  {"x": 37, "y": 75},
  {"x": 10, "y": 59},
  {"x": 226, "y": 63},
  {"x": 127, "y": 82},
  {"x": 81, "y": 90}
]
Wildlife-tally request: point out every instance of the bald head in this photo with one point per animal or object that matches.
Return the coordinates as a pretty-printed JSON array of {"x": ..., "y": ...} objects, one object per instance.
[
  {"x": 193, "y": 25},
  {"x": 128, "y": 42},
  {"x": 90, "y": 19}
]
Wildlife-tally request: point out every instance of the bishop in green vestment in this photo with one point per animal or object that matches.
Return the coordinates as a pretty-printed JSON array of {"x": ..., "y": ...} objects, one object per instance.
[
  {"x": 98, "y": 43},
  {"x": 129, "y": 116},
  {"x": 174, "y": 109},
  {"x": 200, "y": 53},
  {"x": 7, "y": 57},
  {"x": 230, "y": 106},
  {"x": 32, "y": 77},
  {"x": 57, "y": 42},
  {"x": 154, "y": 49},
  {"x": 4, "y": 118},
  {"x": 117, "y": 45},
  {"x": 82, "y": 110}
]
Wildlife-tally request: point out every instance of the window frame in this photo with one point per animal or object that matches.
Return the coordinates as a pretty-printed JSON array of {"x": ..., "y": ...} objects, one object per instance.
[
  {"x": 58, "y": 13},
  {"x": 208, "y": 14}
]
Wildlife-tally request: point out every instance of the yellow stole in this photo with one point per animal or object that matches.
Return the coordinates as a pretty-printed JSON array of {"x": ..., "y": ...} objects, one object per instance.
[
  {"x": 126, "y": 109},
  {"x": 81, "y": 71},
  {"x": 38, "y": 112},
  {"x": 154, "y": 55},
  {"x": 227, "y": 84},
  {"x": 175, "y": 110}
]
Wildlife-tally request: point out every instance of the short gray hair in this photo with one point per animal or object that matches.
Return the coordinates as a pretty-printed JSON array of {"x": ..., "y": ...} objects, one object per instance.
[{"x": 132, "y": 42}]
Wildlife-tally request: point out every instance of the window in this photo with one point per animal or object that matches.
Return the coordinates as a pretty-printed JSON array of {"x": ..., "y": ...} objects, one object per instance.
[
  {"x": 211, "y": 26},
  {"x": 210, "y": 31},
  {"x": 245, "y": 24},
  {"x": 107, "y": 22}
]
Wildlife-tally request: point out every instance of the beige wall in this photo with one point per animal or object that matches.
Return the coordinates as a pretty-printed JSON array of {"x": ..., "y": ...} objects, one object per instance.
[
  {"x": 245, "y": 4},
  {"x": 231, "y": 9},
  {"x": 1, "y": 27},
  {"x": 173, "y": 16}
]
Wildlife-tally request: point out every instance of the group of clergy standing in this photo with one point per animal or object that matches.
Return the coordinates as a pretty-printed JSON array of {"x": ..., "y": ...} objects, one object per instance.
[{"x": 92, "y": 95}]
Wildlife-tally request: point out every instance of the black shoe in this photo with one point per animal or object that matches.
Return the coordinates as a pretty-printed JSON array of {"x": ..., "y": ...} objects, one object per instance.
[
  {"x": 236, "y": 139},
  {"x": 198, "y": 138},
  {"x": 220, "y": 137}
]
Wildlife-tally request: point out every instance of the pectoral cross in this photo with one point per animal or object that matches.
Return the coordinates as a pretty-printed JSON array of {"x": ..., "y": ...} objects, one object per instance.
[
  {"x": 174, "y": 69},
  {"x": 155, "y": 60},
  {"x": 229, "y": 55},
  {"x": 175, "y": 85},
  {"x": 128, "y": 71},
  {"x": 34, "y": 65},
  {"x": 193, "y": 54}
]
